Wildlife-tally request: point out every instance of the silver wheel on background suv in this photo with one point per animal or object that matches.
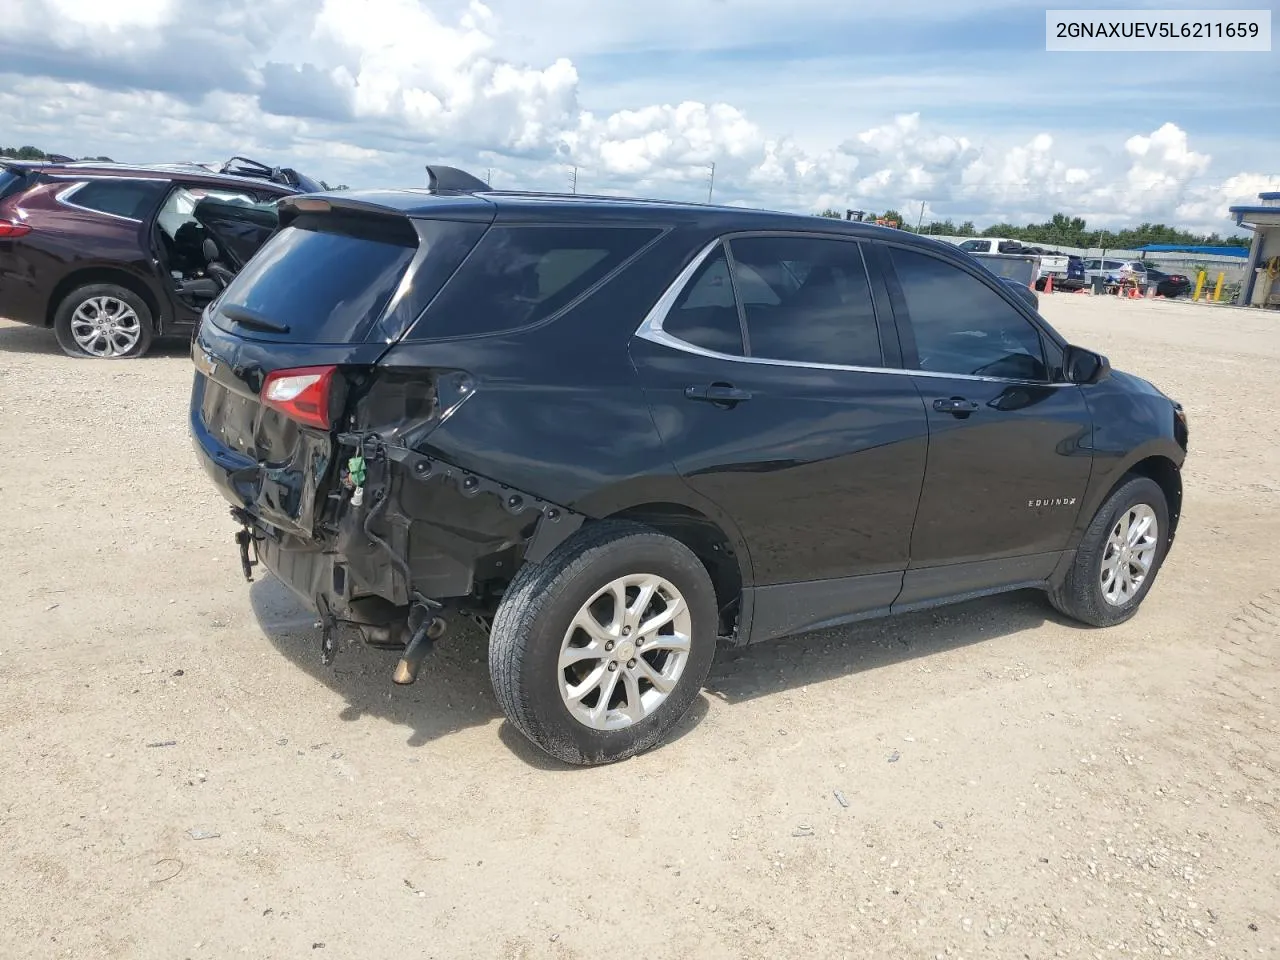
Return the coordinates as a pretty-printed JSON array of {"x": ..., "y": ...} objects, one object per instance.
[
  {"x": 104, "y": 321},
  {"x": 106, "y": 327}
]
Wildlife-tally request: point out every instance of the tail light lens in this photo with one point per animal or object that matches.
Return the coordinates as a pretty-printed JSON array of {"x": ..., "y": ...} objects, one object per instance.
[
  {"x": 301, "y": 394},
  {"x": 11, "y": 228}
]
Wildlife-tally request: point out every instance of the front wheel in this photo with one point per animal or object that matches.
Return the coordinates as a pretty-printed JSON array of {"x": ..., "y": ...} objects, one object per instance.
[
  {"x": 105, "y": 321},
  {"x": 1119, "y": 556},
  {"x": 600, "y": 649}
]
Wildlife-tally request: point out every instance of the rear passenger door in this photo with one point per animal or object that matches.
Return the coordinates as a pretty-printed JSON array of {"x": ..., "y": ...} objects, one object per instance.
[
  {"x": 116, "y": 212},
  {"x": 1009, "y": 441},
  {"x": 771, "y": 383}
]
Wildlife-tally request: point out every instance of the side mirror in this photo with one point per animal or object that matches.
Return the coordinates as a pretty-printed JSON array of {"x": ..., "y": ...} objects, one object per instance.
[{"x": 1084, "y": 366}]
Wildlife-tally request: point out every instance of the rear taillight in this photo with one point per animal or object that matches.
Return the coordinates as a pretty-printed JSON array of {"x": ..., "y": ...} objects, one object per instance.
[
  {"x": 301, "y": 394},
  {"x": 11, "y": 228}
]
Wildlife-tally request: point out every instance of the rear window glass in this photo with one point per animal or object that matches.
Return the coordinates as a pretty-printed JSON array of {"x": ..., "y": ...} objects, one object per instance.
[
  {"x": 521, "y": 275},
  {"x": 325, "y": 286},
  {"x": 134, "y": 199},
  {"x": 1022, "y": 271},
  {"x": 9, "y": 181}
]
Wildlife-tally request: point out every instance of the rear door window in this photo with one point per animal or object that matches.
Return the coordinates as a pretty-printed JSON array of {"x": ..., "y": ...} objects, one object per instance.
[
  {"x": 806, "y": 300},
  {"x": 131, "y": 199},
  {"x": 521, "y": 275},
  {"x": 180, "y": 204}
]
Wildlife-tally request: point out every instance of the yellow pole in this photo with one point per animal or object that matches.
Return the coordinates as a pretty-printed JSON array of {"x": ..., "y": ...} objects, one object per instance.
[
  {"x": 1199, "y": 286},
  {"x": 1217, "y": 290}
]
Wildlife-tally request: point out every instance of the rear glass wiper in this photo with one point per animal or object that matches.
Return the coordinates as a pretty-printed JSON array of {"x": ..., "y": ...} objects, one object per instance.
[{"x": 247, "y": 318}]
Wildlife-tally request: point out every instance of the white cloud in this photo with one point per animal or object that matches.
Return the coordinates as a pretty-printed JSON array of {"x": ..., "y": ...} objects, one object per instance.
[
  {"x": 117, "y": 16},
  {"x": 1162, "y": 165},
  {"x": 367, "y": 91}
]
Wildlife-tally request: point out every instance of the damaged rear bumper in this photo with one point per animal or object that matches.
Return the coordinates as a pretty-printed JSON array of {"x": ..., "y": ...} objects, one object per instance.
[{"x": 420, "y": 533}]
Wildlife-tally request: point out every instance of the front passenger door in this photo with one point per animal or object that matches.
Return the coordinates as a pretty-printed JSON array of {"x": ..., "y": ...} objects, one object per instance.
[{"x": 1009, "y": 443}]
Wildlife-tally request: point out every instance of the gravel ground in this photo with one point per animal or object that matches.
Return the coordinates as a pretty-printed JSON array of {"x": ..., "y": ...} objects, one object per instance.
[{"x": 182, "y": 778}]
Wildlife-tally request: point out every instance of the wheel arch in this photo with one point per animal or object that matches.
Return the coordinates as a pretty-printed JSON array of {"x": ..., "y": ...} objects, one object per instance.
[
  {"x": 87, "y": 276},
  {"x": 1154, "y": 461},
  {"x": 1168, "y": 476},
  {"x": 727, "y": 564}
]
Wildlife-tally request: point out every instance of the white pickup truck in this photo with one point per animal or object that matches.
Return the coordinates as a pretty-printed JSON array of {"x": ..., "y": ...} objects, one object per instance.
[{"x": 1051, "y": 265}]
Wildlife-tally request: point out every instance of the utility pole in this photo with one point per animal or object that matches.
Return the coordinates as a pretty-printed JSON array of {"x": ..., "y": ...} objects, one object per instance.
[
  {"x": 712, "y": 184},
  {"x": 920, "y": 219},
  {"x": 573, "y": 183},
  {"x": 488, "y": 178}
]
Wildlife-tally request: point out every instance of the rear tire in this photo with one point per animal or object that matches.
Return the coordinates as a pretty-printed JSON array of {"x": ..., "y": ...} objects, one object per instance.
[
  {"x": 1108, "y": 581},
  {"x": 591, "y": 680},
  {"x": 104, "y": 321}
]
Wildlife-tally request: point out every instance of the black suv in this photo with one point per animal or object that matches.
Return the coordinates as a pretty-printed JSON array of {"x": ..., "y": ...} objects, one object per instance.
[
  {"x": 617, "y": 431},
  {"x": 114, "y": 255}
]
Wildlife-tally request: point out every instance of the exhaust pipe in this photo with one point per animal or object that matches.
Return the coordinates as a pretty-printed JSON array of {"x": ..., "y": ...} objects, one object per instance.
[{"x": 424, "y": 637}]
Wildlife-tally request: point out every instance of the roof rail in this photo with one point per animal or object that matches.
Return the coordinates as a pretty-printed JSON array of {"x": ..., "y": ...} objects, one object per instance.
[{"x": 452, "y": 180}]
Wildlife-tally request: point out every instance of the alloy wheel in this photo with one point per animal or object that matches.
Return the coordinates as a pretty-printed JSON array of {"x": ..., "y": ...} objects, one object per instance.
[
  {"x": 106, "y": 327},
  {"x": 1129, "y": 555},
  {"x": 624, "y": 652}
]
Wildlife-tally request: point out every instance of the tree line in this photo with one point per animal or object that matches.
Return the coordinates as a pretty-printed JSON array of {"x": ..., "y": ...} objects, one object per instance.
[
  {"x": 1060, "y": 229},
  {"x": 35, "y": 153}
]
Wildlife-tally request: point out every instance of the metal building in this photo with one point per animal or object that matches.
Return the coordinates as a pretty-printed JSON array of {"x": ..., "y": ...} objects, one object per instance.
[{"x": 1261, "y": 286}]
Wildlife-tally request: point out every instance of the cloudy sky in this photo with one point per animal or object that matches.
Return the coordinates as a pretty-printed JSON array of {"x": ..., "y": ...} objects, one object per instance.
[{"x": 800, "y": 104}]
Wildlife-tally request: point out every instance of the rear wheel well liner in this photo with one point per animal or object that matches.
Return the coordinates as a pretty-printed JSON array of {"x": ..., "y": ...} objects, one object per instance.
[
  {"x": 91, "y": 275},
  {"x": 708, "y": 542}
]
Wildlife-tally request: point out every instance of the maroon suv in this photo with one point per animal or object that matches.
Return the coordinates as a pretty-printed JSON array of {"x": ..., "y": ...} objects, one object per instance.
[{"x": 112, "y": 256}]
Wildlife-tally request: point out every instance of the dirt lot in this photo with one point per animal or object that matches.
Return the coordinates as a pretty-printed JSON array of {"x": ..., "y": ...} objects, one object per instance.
[{"x": 182, "y": 778}]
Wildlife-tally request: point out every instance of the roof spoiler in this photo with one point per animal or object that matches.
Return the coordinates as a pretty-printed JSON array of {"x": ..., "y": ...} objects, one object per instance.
[{"x": 452, "y": 180}]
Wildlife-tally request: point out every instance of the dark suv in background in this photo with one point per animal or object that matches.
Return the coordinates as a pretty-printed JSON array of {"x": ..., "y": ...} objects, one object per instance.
[
  {"x": 615, "y": 432},
  {"x": 112, "y": 255}
]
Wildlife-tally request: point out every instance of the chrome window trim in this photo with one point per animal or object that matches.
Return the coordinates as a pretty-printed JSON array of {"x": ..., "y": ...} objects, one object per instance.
[
  {"x": 651, "y": 329},
  {"x": 63, "y": 195}
]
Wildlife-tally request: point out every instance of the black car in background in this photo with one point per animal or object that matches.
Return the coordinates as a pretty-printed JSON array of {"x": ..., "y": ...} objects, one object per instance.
[
  {"x": 112, "y": 256},
  {"x": 617, "y": 432},
  {"x": 1167, "y": 284}
]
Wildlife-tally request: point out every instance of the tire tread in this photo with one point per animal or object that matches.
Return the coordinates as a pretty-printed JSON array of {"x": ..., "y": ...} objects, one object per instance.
[
  {"x": 1076, "y": 597},
  {"x": 535, "y": 587}
]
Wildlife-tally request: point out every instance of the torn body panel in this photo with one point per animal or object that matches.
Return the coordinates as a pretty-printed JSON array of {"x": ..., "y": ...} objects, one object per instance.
[
  {"x": 457, "y": 533},
  {"x": 422, "y": 531}
]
